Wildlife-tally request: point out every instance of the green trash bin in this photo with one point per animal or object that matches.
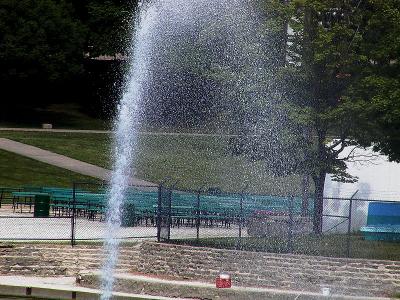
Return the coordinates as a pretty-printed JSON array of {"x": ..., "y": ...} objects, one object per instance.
[{"x": 42, "y": 206}]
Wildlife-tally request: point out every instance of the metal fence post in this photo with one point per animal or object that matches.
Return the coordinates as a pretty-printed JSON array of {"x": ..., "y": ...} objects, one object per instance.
[
  {"x": 290, "y": 229},
  {"x": 349, "y": 225},
  {"x": 73, "y": 221},
  {"x": 158, "y": 219},
  {"x": 241, "y": 217},
  {"x": 198, "y": 218},
  {"x": 239, "y": 245},
  {"x": 169, "y": 214}
]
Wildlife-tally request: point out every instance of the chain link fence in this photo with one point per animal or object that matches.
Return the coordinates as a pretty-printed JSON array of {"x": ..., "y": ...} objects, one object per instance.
[
  {"x": 205, "y": 218},
  {"x": 274, "y": 224},
  {"x": 239, "y": 221},
  {"x": 75, "y": 214}
]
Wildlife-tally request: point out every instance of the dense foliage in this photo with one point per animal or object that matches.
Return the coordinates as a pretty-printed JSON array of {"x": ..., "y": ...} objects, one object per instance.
[
  {"x": 340, "y": 89},
  {"x": 46, "y": 46},
  {"x": 39, "y": 40}
]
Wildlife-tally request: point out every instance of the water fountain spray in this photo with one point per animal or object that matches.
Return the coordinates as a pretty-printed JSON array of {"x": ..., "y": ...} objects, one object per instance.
[
  {"x": 125, "y": 140},
  {"x": 207, "y": 38}
]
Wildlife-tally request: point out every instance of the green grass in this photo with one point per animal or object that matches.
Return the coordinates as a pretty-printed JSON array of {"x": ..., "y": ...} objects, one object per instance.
[
  {"x": 17, "y": 171},
  {"x": 190, "y": 161},
  {"x": 92, "y": 148},
  {"x": 64, "y": 115},
  {"x": 327, "y": 245}
]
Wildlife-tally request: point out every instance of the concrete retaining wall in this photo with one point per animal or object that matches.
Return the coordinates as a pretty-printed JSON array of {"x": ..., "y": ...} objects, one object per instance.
[{"x": 295, "y": 272}]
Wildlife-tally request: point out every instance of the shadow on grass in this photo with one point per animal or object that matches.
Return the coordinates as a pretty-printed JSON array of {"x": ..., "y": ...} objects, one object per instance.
[{"x": 67, "y": 115}]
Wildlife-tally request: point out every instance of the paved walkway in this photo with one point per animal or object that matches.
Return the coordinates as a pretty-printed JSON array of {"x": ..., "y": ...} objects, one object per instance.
[
  {"x": 60, "y": 288},
  {"x": 18, "y": 226},
  {"x": 62, "y": 161},
  {"x": 191, "y": 288}
]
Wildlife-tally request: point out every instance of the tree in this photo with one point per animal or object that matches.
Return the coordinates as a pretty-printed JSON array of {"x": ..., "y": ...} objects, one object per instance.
[
  {"x": 41, "y": 50},
  {"x": 341, "y": 80},
  {"x": 379, "y": 83},
  {"x": 110, "y": 25},
  {"x": 39, "y": 41},
  {"x": 345, "y": 57},
  {"x": 46, "y": 49}
]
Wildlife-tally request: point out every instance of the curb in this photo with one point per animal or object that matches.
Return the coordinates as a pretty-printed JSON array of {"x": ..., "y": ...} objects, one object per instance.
[
  {"x": 200, "y": 290},
  {"x": 65, "y": 293}
]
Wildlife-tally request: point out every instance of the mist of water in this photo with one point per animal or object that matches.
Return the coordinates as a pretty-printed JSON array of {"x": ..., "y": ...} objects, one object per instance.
[
  {"x": 125, "y": 140},
  {"x": 175, "y": 43}
]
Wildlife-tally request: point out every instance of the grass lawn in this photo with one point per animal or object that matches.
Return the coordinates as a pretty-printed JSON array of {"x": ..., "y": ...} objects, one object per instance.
[
  {"x": 17, "y": 171},
  {"x": 191, "y": 161},
  {"x": 328, "y": 245},
  {"x": 63, "y": 115}
]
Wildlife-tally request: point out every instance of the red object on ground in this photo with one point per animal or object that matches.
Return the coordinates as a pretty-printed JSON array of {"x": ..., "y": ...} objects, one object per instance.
[{"x": 223, "y": 281}]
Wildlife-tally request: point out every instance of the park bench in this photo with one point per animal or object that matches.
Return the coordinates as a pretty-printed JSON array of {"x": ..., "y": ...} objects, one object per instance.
[
  {"x": 96, "y": 206},
  {"x": 138, "y": 207},
  {"x": 90, "y": 204},
  {"x": 183, "y": 215},
  {"x": 6, "y": 194},
  {"x": 22, "y": 199},
  {"x": 383, "y": 222},
  {"x": 86, "y": 204},
  {"x": 64, "y": 204},
  {"x": 60, "y": 204},
  {"x": 32, "y": 189}
]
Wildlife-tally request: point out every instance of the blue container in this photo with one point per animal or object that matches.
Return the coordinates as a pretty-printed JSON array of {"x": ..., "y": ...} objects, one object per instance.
[
  {"x": 383, "y": 222},
  {"x": 381, "y": 233}
]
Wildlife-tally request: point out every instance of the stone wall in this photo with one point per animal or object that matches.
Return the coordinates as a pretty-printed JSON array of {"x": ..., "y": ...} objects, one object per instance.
[
  {"x": 268, "y": 270},
  {"x": 283, "y": 271},
  {"x": 58, "y": 259}
]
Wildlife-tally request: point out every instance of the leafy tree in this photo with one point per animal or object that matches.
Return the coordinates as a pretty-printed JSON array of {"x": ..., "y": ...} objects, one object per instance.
[
  {"x": 39, "y": 40},
  {"x": 346, "y": 61},
  {"x": 45, "y": 47},
  {"x": 341, "y": 79},
  {"x": 379, "y": 82},
  {"x": 110, "y": 25},
  {"x": 209, "y": 70}
]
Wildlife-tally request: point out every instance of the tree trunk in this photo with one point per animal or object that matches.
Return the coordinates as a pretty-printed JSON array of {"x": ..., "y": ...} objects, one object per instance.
[
  {"x": 319, "y": 181},
  {"x": 305, "y": 185}
]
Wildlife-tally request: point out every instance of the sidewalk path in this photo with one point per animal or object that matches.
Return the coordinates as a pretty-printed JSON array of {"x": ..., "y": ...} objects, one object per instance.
[
  {"x": 59, "y": 288},
  {"x": 62, "y": 161}
]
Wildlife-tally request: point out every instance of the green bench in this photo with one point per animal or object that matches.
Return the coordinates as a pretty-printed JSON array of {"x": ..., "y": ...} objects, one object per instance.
[
  {"x": 27, "y": 197},
  {"x": 6, "y": 194}
]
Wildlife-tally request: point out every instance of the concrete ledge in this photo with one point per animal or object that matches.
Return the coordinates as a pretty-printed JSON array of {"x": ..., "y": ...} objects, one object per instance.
[
  {"x": 131, "y": 287},
  {"x": 12, "y": 290},
  {"x": 200, "y": 290},
  {"x": 51, "y": 288},
  {"x": 49, "y": 293}
]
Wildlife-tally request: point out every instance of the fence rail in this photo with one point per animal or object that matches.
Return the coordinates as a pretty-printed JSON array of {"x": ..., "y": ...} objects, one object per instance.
[{"x": 215, "y": 219}]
